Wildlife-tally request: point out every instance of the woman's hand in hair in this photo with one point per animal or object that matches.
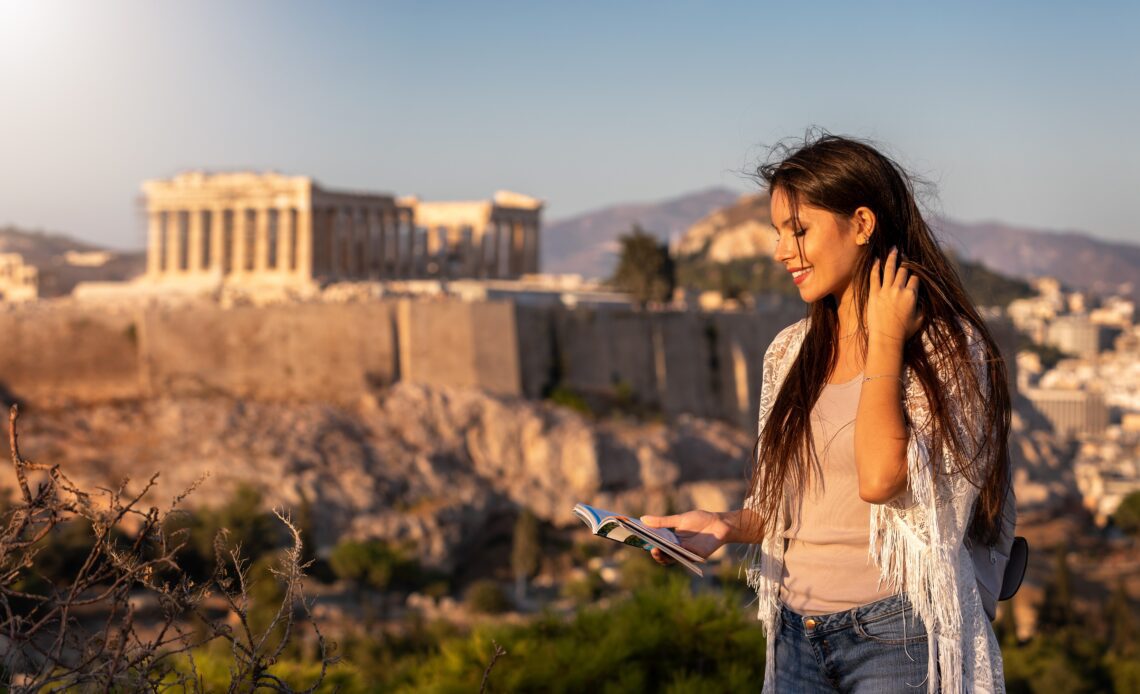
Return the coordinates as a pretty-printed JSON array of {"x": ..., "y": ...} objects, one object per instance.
[
  {"x": 892, "y": 307},
  {"x": 702, "y": 532}
]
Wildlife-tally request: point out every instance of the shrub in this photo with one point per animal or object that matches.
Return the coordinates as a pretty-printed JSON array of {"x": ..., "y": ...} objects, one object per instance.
[
  {"x": 1127, "y": 515},
  {"x": 585, "y": 590},
  {"x": 487, "y": 597},
  {"x": 566, "y": 397},
  {"x": 661, "y": 639},
  {"x": 377, "y": 565}
]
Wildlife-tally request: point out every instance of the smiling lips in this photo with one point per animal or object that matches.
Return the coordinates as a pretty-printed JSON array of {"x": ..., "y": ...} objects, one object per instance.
[{"x": 800, "y": 274}]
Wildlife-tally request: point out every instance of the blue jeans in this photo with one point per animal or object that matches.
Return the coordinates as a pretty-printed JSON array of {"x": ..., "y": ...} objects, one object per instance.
[{"x": 878, "y": 647}]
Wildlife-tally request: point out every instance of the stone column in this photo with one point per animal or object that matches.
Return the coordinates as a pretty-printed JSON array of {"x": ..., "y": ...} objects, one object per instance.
[
  {"x": 347, "y": 244},
  {"x": 241, "y": 220},
  {"x": 364, "y": 245},
  {"x": 407, "y": 252},
  {"x": 319, "y": 216},
  {"x": 218, "y": 240},
  {"x": 524, "y": 248},
  {"x": 496, "y": 244},
  {"x": 173, "y": 241},
  {"x": 396, "y": 230},
  {"x": 430, "y": 249},
  {"x": 478, "y": 258},
  {"x": 468, "y": 260},
  {"x": 305, "y": 242},
  {"x": 261, "y": 241},
  {"x": 285, "y": 240},
  {"x": 437, "y": 249},
  {"x": 384, "y": 220},
  {"x": 486, "y": 249},
  {"x": 194, "y": 262},
  {"x": 344, "y": 225},
  {"x": 530, "y": 264},
  {"x": 336, "y": 230},
  {"x": 329, "y": 250},
  {"x": 409, "y": 249},
  {"x": 516, "y": 256},
  {"x": 154, "y": 244}
]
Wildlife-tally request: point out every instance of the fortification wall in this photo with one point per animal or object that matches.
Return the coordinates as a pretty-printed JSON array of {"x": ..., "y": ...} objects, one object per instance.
[
  {"x": 705, "y": 364},
  {"x": 48, "y": 355},
  {"x": 56, "y": 354},
  {"x": 456, "y": 343},
  {"x": 325, "y": 352}
]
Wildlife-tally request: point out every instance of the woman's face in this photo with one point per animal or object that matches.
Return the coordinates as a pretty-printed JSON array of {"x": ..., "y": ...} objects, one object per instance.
[{"x": 821, "y": 254}]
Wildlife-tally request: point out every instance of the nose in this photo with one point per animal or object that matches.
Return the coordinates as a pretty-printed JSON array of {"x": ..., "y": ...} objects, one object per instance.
[{"x": 785, "y": 248}]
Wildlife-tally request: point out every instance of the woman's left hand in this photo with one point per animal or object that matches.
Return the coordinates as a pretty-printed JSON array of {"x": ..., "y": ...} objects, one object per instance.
[{"x": 892, "y": 308}]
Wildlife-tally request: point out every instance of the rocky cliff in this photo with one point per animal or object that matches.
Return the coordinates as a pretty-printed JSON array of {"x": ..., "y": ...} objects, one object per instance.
[
  {"x": 435, "y": 466},
  {"x": 740, "y": 230}
]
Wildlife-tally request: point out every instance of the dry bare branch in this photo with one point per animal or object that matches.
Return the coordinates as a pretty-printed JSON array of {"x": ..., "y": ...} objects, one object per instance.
[{"x": 83, "y": 632}]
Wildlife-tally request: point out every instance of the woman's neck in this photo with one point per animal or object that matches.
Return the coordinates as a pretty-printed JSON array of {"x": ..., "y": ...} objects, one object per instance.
[{"x": 847, "y": 315}]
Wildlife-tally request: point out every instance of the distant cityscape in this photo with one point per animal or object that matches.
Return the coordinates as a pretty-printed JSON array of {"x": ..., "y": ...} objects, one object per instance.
[{"x": 1082, "y": 373}]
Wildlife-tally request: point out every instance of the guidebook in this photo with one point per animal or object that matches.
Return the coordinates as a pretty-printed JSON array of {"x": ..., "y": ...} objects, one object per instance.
[{"x": 630, "y": 531}]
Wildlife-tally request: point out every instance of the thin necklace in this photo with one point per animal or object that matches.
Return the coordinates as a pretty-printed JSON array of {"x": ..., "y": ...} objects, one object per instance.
[{"x": 850, "y": 334}]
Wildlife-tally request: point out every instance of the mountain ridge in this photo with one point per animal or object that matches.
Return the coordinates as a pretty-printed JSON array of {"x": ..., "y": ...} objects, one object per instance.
[
  {"x": 48, "y": 252},
  {"x": 586, "y": 244}
]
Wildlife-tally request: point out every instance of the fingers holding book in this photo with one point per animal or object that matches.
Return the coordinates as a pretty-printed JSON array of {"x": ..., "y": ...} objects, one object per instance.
[
  {"x": 686, "y": 538},
  {"x": 701, "y": 532}
]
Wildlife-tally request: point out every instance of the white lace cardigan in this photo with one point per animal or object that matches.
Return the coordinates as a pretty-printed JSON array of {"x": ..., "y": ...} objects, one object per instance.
[{"x": 919, "y": 547}]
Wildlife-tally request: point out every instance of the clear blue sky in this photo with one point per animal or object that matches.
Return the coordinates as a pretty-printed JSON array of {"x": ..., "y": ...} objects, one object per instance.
[{"x": 1021, "y": 112}]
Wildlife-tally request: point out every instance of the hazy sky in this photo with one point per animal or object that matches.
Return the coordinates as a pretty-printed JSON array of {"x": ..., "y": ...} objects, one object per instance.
[{"x": 1025, "y": 112}]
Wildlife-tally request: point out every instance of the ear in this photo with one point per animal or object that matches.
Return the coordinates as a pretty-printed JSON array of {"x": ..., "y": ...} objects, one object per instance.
[{"x": 864, "y": 220}]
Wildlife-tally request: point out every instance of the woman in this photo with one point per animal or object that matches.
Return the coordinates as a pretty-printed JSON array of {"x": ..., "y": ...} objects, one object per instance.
[{"x": 881, "y": 458}]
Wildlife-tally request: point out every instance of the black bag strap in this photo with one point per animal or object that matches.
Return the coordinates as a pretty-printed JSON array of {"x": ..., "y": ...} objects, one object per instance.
[{"x": 1015, "y": 569}]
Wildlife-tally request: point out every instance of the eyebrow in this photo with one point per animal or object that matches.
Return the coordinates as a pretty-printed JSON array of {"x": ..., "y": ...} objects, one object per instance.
[{"x": 787, "y": 222}]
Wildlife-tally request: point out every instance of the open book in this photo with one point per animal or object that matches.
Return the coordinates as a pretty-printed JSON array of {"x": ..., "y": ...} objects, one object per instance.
[{"x": 630, "y": 531}]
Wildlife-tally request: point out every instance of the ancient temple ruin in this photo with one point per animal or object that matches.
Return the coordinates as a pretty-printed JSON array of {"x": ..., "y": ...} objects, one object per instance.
[
  {"x": 18, "y": 280},
  {"x": 275, "y": 229}
]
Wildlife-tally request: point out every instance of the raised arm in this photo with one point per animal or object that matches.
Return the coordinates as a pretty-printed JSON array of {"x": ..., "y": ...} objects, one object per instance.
[{"x": 880, "y": 427}]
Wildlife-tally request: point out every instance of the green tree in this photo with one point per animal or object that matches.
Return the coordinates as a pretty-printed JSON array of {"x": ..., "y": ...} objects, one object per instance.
[
  {"x": 645, "y": 269},
  {"x": 371, "y": 563},
  {"x": 1006, "y": 626},
  {"x": 487, "y": 597},
  {"x": 1119, "y": 615},
  {"x": 1127, "y": 516},
  {"x": 526, "y": 551},
  {"x": 1056, "y": 612}
]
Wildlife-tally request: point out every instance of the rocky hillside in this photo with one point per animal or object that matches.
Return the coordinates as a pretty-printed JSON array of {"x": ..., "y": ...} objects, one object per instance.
[
  {"x": 437, "y": 467},
  {"x": 445, "y": 469},
  {"x": 587, "y": 244},
  {"x": 63, "y": 261},
  {"x": 730, "y": 251},
  {"x": 740, "y": 230}
]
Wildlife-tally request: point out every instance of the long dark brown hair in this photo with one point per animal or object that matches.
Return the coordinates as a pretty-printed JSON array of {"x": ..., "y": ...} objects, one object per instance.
[{"x": 840, "y": 174}]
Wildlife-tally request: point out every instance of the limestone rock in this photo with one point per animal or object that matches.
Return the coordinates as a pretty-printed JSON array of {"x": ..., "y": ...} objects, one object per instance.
[
  {"x": 741, "y": 230},
  {"x": 433, "y": 467}
]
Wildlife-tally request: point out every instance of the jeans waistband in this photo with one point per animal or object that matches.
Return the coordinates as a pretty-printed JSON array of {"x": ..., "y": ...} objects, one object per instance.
[{"x": 821, "y": 623}]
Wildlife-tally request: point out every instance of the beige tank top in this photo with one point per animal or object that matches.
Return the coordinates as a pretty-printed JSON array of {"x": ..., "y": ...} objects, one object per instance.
[{"x": 827, "y": 567}]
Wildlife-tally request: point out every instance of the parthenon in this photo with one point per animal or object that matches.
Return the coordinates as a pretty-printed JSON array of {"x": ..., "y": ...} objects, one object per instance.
[{"x": 270, "y": 228}]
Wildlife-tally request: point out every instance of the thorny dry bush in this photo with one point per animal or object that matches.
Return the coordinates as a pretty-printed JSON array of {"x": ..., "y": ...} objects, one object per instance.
[{"x": 84, "y": 633}]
